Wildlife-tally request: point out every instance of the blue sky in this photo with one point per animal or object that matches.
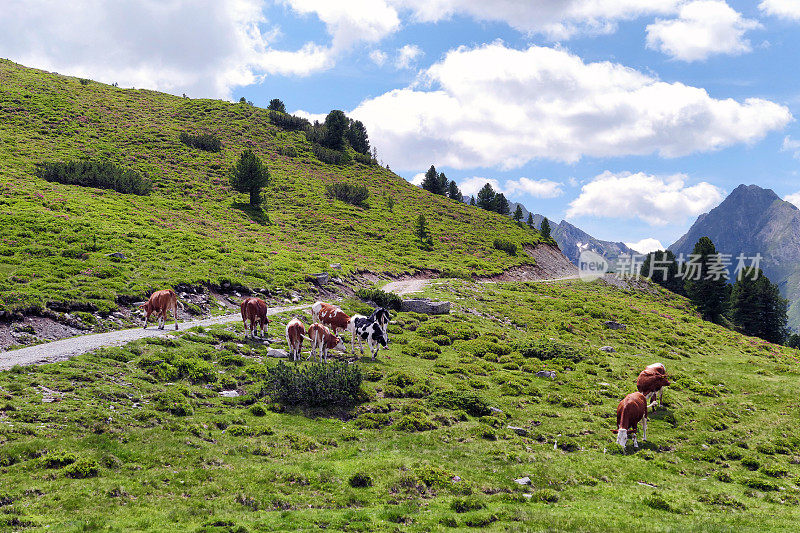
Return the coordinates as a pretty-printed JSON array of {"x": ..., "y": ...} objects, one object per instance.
[{"x": 626, "y": 117}]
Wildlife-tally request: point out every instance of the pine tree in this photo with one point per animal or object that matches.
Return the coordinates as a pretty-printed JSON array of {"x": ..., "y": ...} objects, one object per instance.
[
  {"x": 250, "y": 176},
  {"x": 662, "y": 268},
  {"x": 431, "y": 180},
  {"x": 793, "y": 341},
  {"x": 443, "y": 184},
  {"x": 453, "y": 192},
  {"x": 335, "y": 129},
  {"x": 544, "y": 229},
  {"x": 703, "y": 287},
  {"x": 276, "y": 105},
  {"x": 472, "y": 200},
  {"x": 518, "y": 214},
  {"x": 357, "y": 137},
  {"x": 530, "y": 220},
  {"x": 757, "y": 308},
  {"x": 486, "y": 198},
  {"x": 422, "y": 232},
  {"x": 501, "y": 205}
]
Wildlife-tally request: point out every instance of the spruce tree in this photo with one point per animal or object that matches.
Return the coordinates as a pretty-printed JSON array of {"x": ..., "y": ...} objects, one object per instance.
[
  {"x": 664, "y": 270},
  {"x": 336, "y": 125},
  {"x": 431, "y": 180},
  {"x": 250, "y": 176},
  {"x": 453, "y": 192},
  {"x": 757, "y": 307},
  {"x": 276, "y": 105},
  {"x": 530, "y": 220},
  {"x": 544, "y": 229},
  {"x": 486, "y": 198},
  {"x": 472, "y": 200},
  {"x": 422, "y": 232},
  {"x": 706, "y": 292},
  {"x": 518, "y": 214},
  {"x": 501, "y": 205},
  {"x": 357, "y": 137}
]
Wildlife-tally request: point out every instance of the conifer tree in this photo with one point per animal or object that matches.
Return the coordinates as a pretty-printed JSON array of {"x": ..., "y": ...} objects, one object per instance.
[
  {"x": 431, "y": 180},
  {"x": 335, "y": 129},
  {"x": 501, "y": 205},
  {"x": 518, "y": 214},
  {"x": 250, "y": 176},
  {"x": 544, "y": 229},
  {"x": 662, "y": 268},
  {"x": 357, "y": 137},
  {"x": 704, "y": 287},
  {"x": 453, "y": 192},
  {"x": 486, "y": 198},
  {"x": 530, "y": 220},
  {"x": 472, "y": 200},
  {"x": 276, "y": 105},
  {"x": 757, "y": 307}
]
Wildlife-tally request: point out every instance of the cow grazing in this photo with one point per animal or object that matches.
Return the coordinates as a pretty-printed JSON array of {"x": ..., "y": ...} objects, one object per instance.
[
  {"x": 295, "y": 331},
  {"x": 322, "y": 339},
  {"x": 160, "y": 302},
  {"x": 631, "y": 410},
  {"x": 254, "y": 310},
  {"x": 382, "y": 317},
  {"x": 331, "y": 316},
  {"x": 366, "y": 329},
  {"x": 651, "y": 382}
]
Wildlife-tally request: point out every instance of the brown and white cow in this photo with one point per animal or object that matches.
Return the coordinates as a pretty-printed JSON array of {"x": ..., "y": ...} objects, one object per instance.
[
  {"x": 160, "y": 302},
  {"x": 322, "y": 339},
  {"x": 295, "y": 332},
  {"x": 630, "y": 411},
  {"x": 651, "y": 382},
  {"x": 255, "y": 310},
  {"x": 331, "y": 316}
]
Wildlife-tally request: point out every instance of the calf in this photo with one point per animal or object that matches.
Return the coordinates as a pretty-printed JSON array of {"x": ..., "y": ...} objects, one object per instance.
[
  {"x": 371, "y": 331},
  {"x": 651, "y": 382},
  {"x": 255, "y": 310},
  {"x": 159, "y": 303},
  {"x": 330, "y": 315},
  {"x": 322, "y": 338},
  {"x": 630, "y": 411},
  {"x": 295, "y": 331}
]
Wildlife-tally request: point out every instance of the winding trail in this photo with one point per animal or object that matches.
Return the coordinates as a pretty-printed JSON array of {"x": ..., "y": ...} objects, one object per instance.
[{"x": 64, "y": 349}]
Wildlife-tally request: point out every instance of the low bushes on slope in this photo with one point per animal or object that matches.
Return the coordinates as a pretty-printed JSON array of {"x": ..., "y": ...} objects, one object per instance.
[
  {"x": 356, "y": 194},
  {"x": 315, "y": 385},
  {"x": 206, "y": 141},
  {"x": 102, "y": 175}
]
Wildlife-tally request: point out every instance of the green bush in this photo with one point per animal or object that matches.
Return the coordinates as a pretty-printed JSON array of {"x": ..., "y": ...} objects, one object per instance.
[
  {"x": 289, "y": 122},
  {"x": 414, "y": 422},
  {"x": 101, "y": 175},
  {"x": 506, "y": 246},
  {"x": 318, "y": 384},
  {"x": 58, "y": 459},
  {"x": 464, "y": 505},
  {"x": 364, "y": 159},
  {"x": 388, "y": 300},
  {"x": 352, "y": 193},
  {"x": 207, "y": 141},
  {"x": 372, "y": 421},
  {"x": 82, "y": 468},
  {"x": 471, "y": 402},
  {"x": 544, "y": 495},
  {"x": 546, "y": 349},
  {"x": 258, "y": 409},
  {"x": 360, "y": 480},
  {"x": 333, "y": 157},
  {"x": 173, "y": 402},
  {"x": 415, "y": 348}
]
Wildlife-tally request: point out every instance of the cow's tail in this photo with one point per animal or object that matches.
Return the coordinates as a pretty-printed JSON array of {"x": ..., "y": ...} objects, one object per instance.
[{"x": 306, "y": 337}]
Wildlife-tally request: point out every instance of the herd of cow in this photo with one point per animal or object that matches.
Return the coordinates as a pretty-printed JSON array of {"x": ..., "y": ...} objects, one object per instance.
[{"x": 329, "y": 320}]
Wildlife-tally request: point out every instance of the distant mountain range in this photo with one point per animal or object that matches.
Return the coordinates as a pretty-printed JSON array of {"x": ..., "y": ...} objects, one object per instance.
[{"x": 754, "y": 220}]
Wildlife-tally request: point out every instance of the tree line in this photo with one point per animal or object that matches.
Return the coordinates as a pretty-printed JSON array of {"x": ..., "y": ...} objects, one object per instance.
[{"x": 751, "y": 305}]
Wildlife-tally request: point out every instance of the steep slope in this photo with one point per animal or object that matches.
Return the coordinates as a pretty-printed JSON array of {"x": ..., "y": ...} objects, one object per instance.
[
  {"x": 56, "y": 239},
  {"x": 573, "y": 240},
  {"x": 754, "y": 220}
]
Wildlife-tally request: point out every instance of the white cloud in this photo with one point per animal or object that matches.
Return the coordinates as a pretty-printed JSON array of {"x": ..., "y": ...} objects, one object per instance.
[
  {"x": 498, "y": 106},
  {"x": 513, "y": 188},
  {"x": 378, "y": 57},
  {"x": 351, "y": 21},
  {"x": 557, "y": 19},
  {"x": 573, "y": 182},
  {"x": 311, "y": 117},
  {"x": 417, "y": 179},
  {"x": 645, "y": 246},
  {"x": 785, "y": 9},
  {"x": 654, "y": 199},
  {"x": 703, "y": 28},
  {"x": 793, "y": 198},
  {"x": 791, "y": 145},
  {"x": 407, "y": 55}
]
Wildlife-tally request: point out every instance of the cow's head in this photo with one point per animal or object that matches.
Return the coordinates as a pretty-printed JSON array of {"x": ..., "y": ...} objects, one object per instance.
[
  {"x": 380, "y": 335},
  {"x": 381, "y": 316},
  {"x": 622, "y": 437},
  {"x": 336, "y": 343},
  {"x": 146, "y": 306}
]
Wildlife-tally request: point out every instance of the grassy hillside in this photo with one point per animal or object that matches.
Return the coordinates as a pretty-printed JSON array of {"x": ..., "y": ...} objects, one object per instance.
[
  {"x": 55, "y": 239},
  {"x": 159, "y": 445}
]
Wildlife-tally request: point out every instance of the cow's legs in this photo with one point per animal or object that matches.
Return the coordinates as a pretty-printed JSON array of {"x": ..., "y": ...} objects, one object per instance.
[
  {"x": 146, "y": 318},
  {"x": 176, "y": 314},
  {"x": 644, "y": 429}
]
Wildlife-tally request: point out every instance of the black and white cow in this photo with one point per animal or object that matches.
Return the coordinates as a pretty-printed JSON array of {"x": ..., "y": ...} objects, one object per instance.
[
  {"x": 366, "y": 329},
  {"x": 381, "y": 316}
]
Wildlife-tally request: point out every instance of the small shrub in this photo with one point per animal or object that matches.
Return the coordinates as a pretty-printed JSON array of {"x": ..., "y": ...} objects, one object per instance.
[
  {"x": 207, "y": 141},
  {"x": 481, "y": 519},
  {"x": 388, "y": 300},
  {"x": 258, "y": 409},
  {"x": 333, "y": 157},
  {"x": 442, "y": 340},
  {"x": 173, "y": 402},
  {"x": 318, "y": 384},
  {"x": 82, "y": 468},
  {"x": 352, "y": 193},
  {"x": 774, "y": 471},
  {"x": 414, "y": 348},
  {"x": 656, "y": 501},
  {"x": 724, "y": 477},
  {"x": 464, "y": 505},
  {"x": 101, "y": 175},
  {"x": 373, "y": 374},
  {"x": 546, "y": 349},
  {"x": 506, "y": 246},
  {"x": 58, "y": 459},
  {"x": 287, "y": 151},
  {"x": 544, "y": 495},
  {"x": 289, "y": 122},
  {"x": 414, "y": 422},
  {"x": 372, "y": 421},
  {"x": 760, "y": 484},
  {"x": 364, "y": 159},
  {"x": 360, "y": 480},
  {"x": 722, "y": 500},
  {"x": 750, "y": 463}
]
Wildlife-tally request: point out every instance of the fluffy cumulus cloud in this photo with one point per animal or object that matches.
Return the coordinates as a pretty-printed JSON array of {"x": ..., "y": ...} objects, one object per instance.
[
  {"x": 407, "y": 56},
  {"x": 703, "y": 28},
  {"x": 557, "y": 19},
  {"x": 378, "y": 57},
  {"x": 512, "y": 188},
  {"x": 785, "y": 9},
  {"x": 499, "y": 106},
  {"x": 653, "y": 199},
  {"x": 645, "y": 246},
  {"x": 793, "y": 198},
  {"x": 791, "y": 145},
  {"x": 351, "y": 21}
]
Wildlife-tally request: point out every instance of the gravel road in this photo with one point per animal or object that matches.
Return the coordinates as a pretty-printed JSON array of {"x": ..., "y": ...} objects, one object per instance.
[{"x": 62, "y": 350}]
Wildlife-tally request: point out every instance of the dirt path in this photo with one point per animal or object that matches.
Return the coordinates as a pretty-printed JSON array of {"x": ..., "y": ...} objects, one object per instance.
[
  {"x": 407, "y": 286},
  {"x": 62, "y": 350}
]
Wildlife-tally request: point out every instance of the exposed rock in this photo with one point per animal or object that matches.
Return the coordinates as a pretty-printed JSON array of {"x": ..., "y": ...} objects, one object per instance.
[
  {"x": 456, "y": 479},
  {"x": 522, "y": 432},
  {"x": 425, "y": 306},
  {"x": 336, "y": 266},
  {"x": 523, "y": 481},
  {"x": 546, "y": 374},
  {"x": 495, "y": 410},
  {"x": 322, "y": 278},
  {"x": 116, "y": 255},
  {"x": 607, "y": 349},
  {"x": 613, "y": 324},
  {"x": 229, "y": 393},
  {"x": 275, "y": 352}
]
